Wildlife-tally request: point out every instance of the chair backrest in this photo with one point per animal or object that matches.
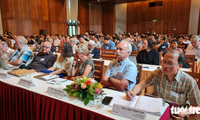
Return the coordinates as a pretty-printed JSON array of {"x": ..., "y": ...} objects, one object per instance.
[
  {"x": 134, "y": 53},
  {"x": 98, "y": 73},
  {"x": 139, "y": 74},
  {"x": 108, "y": 54},
  {"x": 181, "y": 46},
  {"x": 190, "y": 59},
  {"x": 196, "y": 76}
]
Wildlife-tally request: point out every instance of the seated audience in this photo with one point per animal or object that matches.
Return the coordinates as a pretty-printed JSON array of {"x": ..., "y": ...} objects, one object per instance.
[
  {"x": 56, "y": 41},
  {"x": 38, "y": 45},
  {"x": 93, "y": 50},
  {"x": 194, "y": 49},
  {"x": 62, "y": 66},
  {"x": 170, "y": 83},
  {"x": 5, "y": 51},
  {"x": 162, "y": 45},
  {"x": 121, "y": 71},
  {"x": 138, "y": 41},
  {"x": 180, "y": 39},
  {"x": 174, "y": 44},
  {"x": 73, "y": 42},
  {"x": 96, "y": 40},
  {"x": 81, "y": 39},
  {"x": 148, "y": 55},
  {"x": 23, "y": 56},
  {"x": 84, "y": 67},
  {"x": 44, "y": 59},
  {"x": 108, "y": 44},
  {"x": 128, "y": 39}
]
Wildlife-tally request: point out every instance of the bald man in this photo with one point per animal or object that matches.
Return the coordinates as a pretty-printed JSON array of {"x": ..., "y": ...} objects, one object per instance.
[
  {"x": 44, "y": 59},
  {"x": 121, "y": 71},
  {"x": 23, "y": 56}
]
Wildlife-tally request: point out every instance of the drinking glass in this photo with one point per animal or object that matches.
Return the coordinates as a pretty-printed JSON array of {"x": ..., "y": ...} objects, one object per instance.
[{"x": 98, "y": 100}]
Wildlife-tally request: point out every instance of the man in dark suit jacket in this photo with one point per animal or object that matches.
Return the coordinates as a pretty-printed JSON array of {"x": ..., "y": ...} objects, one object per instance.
[{"x": 93, "y": 50}]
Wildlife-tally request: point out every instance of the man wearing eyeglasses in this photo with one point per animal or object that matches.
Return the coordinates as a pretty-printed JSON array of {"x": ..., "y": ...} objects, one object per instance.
[
  {"x": 44, "y": 59},
  {"x": 171, "y": 83}
]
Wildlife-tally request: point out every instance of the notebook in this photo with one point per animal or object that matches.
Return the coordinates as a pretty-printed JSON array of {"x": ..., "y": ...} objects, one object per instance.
[
  {"x": 21, "y": 72},
  {"x": 148, "y": 104}
]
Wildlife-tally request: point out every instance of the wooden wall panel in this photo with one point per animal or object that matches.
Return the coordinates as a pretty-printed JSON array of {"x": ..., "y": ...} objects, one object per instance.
[
  {"x": 108, "y": 19},
  {"x": 95, "y": 17},
  {"x": 28, "y": 17},
  {"x": 83, "y": 15},
  {"x": 199, "y": 23},
  {"x": 174, "y": 14}
]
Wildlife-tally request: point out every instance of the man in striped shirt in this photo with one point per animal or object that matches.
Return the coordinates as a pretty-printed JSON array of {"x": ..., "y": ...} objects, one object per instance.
[{"x": 171, "y": 83}]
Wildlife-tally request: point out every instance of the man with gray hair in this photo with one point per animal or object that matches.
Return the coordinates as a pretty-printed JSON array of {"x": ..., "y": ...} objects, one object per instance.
[
  {"x": 73, "y": 42},
  {"x": 23, "y": 56},
  {"x": 5, "y": 51},
  {"x": 95, "y": 53},
  {"x": 194, "y": 49},
  {"x": 121, "y": 72}
]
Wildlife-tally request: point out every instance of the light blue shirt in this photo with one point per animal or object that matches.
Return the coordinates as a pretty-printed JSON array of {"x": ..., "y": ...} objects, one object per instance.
[
  {"x": 111, "y": 45},
  {"x": 123, "y": 70}
]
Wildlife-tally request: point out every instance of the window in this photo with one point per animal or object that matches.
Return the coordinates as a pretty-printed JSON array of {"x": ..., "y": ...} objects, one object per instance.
[{"x": 72, "y": 27}]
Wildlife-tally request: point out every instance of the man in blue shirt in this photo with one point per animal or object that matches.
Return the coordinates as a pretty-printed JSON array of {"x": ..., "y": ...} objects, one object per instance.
[
  {"x": 108, "y": 44},
  {"x": 121, "y": 71}
]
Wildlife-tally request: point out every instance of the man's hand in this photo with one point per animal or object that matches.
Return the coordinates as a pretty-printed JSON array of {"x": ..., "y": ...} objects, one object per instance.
[
  {"x": 33, "y": 70},
  {"x": 130, "y": 95}
]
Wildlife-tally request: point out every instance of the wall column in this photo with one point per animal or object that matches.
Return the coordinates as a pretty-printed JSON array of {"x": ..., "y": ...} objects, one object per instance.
[
  {"x": 194, "y": 17},
  {"x": 121, "y": 13}
]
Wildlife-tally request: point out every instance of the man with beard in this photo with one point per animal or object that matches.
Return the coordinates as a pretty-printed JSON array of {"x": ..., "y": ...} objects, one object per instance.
[
  {"x": 121, "y": 71},
  {"x": 44, "y": 59}
]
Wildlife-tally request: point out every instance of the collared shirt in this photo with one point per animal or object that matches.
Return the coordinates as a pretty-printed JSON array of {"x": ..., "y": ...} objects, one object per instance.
[
  {"x": 85, "y": 43},
  {"x": 110, "y": 46},
  {"x": 193, "y": 51},
  {"x": 98, "y": 44},
  {"x": 23, "y": 54},
  {"x": 42, "y": 61},
  {"x": 64, "y": 63},
  {"x": 6, "y": 55},
  {"x": 56, "y": 42},
  {"x": 123, "y": 70},
  {"x": 179, "y": 90}
]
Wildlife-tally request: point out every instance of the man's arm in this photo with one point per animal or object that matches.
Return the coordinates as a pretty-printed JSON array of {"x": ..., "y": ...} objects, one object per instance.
[
  {"x": 136, "y": 89},
  {"x": 16, "y": 62}
]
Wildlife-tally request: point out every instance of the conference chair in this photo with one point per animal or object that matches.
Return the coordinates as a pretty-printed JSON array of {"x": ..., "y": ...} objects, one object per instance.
[{"x": 98, "y": 73}]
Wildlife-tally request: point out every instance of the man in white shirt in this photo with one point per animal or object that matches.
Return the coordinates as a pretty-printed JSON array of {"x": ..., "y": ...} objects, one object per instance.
[
  {"x": 5, "y": 50},
  {"x": 56, "y": 41},
  {"x": 194, "y": 49}
]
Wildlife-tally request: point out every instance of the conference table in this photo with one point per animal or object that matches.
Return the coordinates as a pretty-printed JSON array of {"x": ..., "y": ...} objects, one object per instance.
[{"x": 21, "y": 103}]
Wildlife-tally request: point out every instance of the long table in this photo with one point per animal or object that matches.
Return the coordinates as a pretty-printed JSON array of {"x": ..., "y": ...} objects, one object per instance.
[{"x": 21, "y": 103}]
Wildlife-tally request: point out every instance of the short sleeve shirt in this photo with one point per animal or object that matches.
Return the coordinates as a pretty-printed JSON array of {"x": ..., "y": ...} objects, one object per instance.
[
  {"x": 123, "y": 70},
  {"x": 183, "y": 85}
]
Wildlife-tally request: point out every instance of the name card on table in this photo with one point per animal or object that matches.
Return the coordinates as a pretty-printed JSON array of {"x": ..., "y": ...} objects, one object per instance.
[
  {"x": 26, "y": 83},
  {"x": 55, "y": 92},
  {"x": 128, "y": 112},
  {"x": 4, "y": 76}
]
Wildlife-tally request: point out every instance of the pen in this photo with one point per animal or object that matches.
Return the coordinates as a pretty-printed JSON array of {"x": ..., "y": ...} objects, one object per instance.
[
  {"x": 51, "y": 75},
  {"x": 129, "y": 90}
]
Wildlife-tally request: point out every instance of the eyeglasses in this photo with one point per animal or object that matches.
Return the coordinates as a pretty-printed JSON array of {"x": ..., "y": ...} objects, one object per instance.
[
  {"x": 168, "y": 64},
  {"x": 45, "y": 47}
]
